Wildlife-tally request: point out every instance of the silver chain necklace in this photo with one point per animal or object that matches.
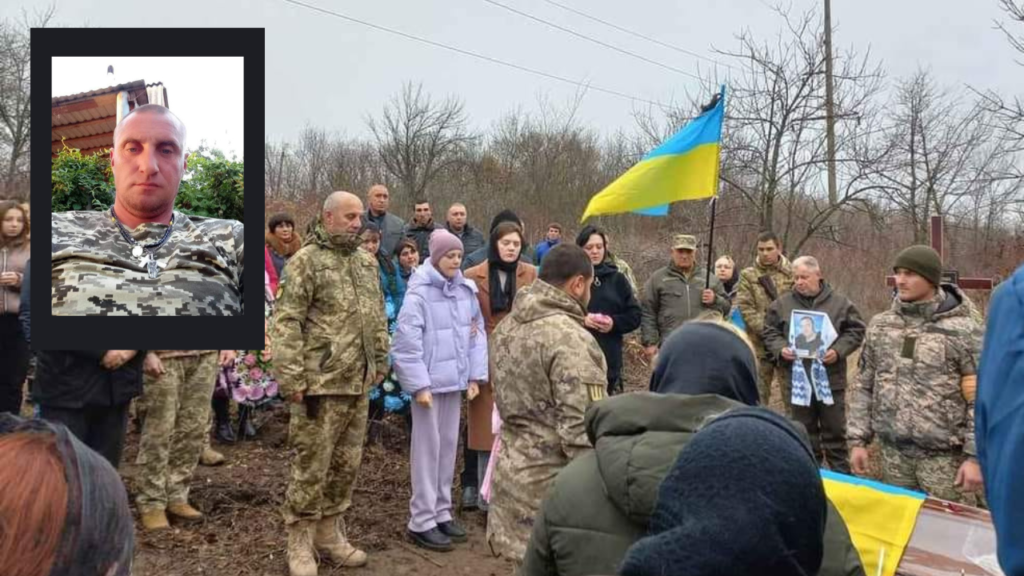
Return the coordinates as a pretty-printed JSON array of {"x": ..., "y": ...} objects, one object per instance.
[{"x": 145, "y": 253}]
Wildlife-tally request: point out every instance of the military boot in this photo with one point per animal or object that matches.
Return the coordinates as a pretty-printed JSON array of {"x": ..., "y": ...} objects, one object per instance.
[
  {"x": 184, "y": 511},
  {"x": 211, "y": 457},
  {"x": 330, "y": 540},
  {"x": 153, "y": 520},
  {"x": 301, "y": 559}
]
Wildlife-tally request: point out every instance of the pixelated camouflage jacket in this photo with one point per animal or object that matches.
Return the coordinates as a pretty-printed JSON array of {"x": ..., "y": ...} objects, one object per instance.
[
  {"x": 95, "y": 274},
  {"x": 753, "y": 300},
  {"x": 546, "y": 370},
  {"x": 328, "y": 332},
  {"x": 911, "y": 367}
]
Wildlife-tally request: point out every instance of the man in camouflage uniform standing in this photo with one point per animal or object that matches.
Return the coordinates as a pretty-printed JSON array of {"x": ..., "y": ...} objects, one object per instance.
[
  {"x": 330, "y": 344},
  {"x": 918, "y": 373},
  {"x": 140, "y": 257},
  {"x": 178, "y": 385},
  {"x": 759, "y": 286},
  {"x": 546, "y": 370}
]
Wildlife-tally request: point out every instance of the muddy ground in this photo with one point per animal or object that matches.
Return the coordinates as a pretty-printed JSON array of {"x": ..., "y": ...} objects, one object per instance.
[{"x": 243, "y": 534}]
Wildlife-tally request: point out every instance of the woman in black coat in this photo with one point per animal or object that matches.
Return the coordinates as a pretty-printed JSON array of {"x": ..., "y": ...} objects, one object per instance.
[{"x": 614, "y": 310}]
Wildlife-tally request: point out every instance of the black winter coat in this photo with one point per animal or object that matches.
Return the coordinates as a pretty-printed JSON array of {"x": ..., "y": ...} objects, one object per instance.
[
  {"x": 611, "y": 295},
  {"x": 75, "y": 379}
]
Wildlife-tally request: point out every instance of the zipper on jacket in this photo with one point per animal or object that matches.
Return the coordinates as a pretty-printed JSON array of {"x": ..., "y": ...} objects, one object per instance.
[{"x": 3, "y": 295}]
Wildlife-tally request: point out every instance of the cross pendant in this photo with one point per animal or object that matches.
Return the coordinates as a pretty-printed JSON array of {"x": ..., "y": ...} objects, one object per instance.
[{"x": 153, "y": 269}]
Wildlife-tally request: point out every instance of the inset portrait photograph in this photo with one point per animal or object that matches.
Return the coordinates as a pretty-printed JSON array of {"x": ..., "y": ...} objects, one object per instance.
[{"x": 147, "y": 187}]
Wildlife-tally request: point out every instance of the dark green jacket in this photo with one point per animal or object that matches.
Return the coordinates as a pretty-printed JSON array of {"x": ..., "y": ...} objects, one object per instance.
[
  {"x": 670, "y": 298},
  {"x": 600, "y": 504},
  {"x": 845, "y": 317}
]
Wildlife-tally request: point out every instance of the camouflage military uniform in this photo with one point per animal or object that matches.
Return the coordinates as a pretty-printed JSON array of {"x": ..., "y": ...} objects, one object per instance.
[
  {"x": 915, "y": 361},
  {"x": 329, "y": 339},
  {"x": 177, "y": 408},
  {"x": 546, "y": 370},
  {"x": 200, "y": 267},
  {"x": 627, "y": 272},
  {"x": 753, "y": 296}
]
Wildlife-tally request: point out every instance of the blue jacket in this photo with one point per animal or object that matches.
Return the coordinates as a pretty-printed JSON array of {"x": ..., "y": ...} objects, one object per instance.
[
  {"x": 543, "y": 247},
  {"x": 999, "y": 419},
  {"x": 393, "y": 286}
]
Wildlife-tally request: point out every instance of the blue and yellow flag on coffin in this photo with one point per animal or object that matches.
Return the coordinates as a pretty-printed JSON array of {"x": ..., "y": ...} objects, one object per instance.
[
  {"x": 880, "y": 518},
  {"x": 684, "y": 167}
]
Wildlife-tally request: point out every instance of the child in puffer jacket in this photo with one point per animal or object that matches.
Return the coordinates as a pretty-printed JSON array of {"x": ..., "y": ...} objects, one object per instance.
[{"x": 439, "y": 350}]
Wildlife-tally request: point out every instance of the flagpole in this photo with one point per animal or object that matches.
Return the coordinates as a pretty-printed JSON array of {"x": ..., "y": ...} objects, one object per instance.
[{"x": 711, "y": 243}]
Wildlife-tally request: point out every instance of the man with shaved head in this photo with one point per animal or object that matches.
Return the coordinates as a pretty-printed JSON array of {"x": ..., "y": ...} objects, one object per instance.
[
  {"x": 457, "y": 222},
  {"x": 330, "y": 344},
  {"x": 140, "y": 257}
]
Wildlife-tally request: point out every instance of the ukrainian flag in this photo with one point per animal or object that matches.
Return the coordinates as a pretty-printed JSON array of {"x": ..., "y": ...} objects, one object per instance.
[
  {"x": 880, "y": 518},
  {"x": 684, "y": 167}
]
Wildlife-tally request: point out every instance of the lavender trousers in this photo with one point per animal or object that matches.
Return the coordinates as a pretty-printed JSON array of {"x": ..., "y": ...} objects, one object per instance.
[{"x": 435, "y": 440}]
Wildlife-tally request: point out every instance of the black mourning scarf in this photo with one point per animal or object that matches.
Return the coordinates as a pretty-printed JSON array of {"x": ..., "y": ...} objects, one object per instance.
[
  {"x": 98, "y": 530},
  {"x": 501, "y": 296}
]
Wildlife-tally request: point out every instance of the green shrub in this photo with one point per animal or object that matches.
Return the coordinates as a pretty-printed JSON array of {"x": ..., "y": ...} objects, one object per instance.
[
  {"x": 81, "y": 182},
  {"x": 212, "y": 186}
]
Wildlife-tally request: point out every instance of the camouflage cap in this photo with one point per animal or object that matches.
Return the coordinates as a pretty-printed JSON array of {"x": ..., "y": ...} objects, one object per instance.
[{"x": 684, "y": 242}]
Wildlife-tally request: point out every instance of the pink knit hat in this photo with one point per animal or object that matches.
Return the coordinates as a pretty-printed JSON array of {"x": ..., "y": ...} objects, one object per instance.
[{"x": 441, "y": 243}]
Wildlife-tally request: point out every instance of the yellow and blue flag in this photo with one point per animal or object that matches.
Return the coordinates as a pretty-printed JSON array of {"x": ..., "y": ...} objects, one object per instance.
[
  {"x": 880, "y": 518},
  {"x": 684, "y": 167}
]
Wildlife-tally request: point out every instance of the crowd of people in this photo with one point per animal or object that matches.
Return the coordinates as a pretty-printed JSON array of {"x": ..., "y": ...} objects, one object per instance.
[
  {"x": 369, "y": 315},
  {"x": 532, "y": 339}
]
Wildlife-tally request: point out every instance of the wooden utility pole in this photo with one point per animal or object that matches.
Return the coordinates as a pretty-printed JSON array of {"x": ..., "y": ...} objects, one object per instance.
[{"x": 830, "y": 131}]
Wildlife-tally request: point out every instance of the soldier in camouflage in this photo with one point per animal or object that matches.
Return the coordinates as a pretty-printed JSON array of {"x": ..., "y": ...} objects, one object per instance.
[
  {"x": 546, "y": 370},
  {"x": 918, "y": 372},
  {"x": 140, "y": 257},
  {"x": 178, "y": 386},
  {"x": 761, "y": 284},
  {"x": 330, "y": 344}
]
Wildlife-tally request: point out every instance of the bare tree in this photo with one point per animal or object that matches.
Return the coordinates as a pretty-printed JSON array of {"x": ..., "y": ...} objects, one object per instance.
[
  {"x": 418, "y": 138},
  {"x": 774, "y": 143},
  {"x": 945, "y": 155},
  {"x": 15, "y": 92}
]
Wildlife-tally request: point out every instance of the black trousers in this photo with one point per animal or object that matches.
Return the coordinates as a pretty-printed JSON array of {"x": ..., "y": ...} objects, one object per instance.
[
  {"x": 101, "y": 428},
  {"x": 826, "y": 425},
  {"x": 468, "y": 478},
  {"x": 14, "y": 357}
]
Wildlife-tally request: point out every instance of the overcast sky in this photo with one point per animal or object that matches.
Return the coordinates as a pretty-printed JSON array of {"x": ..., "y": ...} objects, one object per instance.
[
  {"x": 188, "y": 82},
  {"x": 330, "y": 72}
]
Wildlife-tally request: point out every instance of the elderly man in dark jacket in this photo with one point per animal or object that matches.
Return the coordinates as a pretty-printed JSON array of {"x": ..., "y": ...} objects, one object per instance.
[
  {"x": 602, "y": 502},
  {"x": 89, "y": 392},
  {"x": 814, "y": 390}
]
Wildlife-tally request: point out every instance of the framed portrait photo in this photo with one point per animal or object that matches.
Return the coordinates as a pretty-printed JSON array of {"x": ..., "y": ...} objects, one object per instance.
[{"x": 810, "y": 333}]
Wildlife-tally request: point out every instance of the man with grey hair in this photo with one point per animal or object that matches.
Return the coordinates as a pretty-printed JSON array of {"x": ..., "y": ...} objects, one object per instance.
[
  {"x": 814, "y": 388},
  {"x": 140, "y": 257},
  {"x": 330, "y": 343}
]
